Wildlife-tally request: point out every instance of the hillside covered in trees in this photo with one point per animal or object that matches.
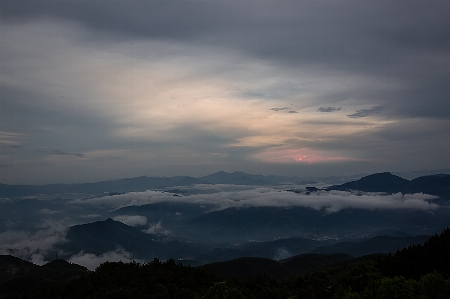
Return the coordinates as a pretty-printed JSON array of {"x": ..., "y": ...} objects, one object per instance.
[{"x": 421, "y": 271}]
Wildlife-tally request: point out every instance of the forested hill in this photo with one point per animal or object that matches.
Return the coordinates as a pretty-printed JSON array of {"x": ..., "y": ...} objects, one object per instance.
[
  {"x": 417, "y": 260},
  {"x": 414, "y": 272}
]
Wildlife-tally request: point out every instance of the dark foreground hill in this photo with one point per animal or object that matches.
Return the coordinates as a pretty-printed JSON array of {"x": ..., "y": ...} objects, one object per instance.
[
  {"x": 20, "y": 277},
  {"x": 248, "y": 267},
  {"x": 13, "y": 267},
  {"x": 308, "y": 262},
  {"x": 379, "y": 276}
]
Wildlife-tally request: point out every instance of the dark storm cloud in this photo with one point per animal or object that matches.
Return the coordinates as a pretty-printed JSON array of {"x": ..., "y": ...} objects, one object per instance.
[
  {"x": 329, "y": 109},
  {"x": 366, "y": 112},
  {"x": 279, "y": 28},
  {"x": 394, "y": 40}
]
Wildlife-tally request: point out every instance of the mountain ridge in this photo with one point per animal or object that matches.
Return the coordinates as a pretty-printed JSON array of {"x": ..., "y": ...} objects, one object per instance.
[{"x": 437, "y": 184}]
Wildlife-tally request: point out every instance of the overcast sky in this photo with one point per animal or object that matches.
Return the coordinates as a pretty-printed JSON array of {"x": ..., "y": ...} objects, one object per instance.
[{"x": 94, "y": 90}]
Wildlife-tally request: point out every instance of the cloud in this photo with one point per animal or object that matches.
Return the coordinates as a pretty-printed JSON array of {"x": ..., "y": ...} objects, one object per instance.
[
  {"x": 10, "y": 139},
  {"x": 128, "y": 199},
  {"x": 304, "y": 155},
  {"x": 33, "y": 246},
  {"x": 60, "y": 153},
  {"x": 366, "y": 112},
  {"x": 280, "y": 109},
  {"x": 131, "y": 220},
  {"x": 92, "y": 261},
  {"x": 156, "y": 229},
  {"x": 329, "y": 109},
  {"x": 281, "y": 253},
  {"x": 169, "y": 81},
  {"x": 330, "y": 201}
]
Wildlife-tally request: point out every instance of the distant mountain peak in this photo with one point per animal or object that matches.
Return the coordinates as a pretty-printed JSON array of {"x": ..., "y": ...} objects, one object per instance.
[
  {"x": 377, "y": 182},
  {"x": 438, "y": 184}
]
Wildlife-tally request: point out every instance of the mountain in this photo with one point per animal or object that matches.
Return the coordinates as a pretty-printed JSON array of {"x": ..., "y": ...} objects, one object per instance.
[
  {"x": 282, "y": 248},
  {"x": 239, "y": 225},
  {"x": 21, "y": 277},
  {"x": 378, "y": 182},
  {"x": 114, "y": 186},
  {"x": 380, "y": 244},
  {"x": 413, "y": 261},
  {"x": 109, "y": 235},
  {"x": 417, "y": 271},
  {"x": 278, "y": 249},
  {"x": 13, "y": 266},
  {"x": 168, "y": 213},
  {"x": 316, "y": 252},
  {"x": 312, "y": 261},
  {"x": 438, "y": 184}
]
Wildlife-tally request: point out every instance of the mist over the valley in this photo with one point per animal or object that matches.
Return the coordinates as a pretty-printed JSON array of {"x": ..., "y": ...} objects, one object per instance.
[{"x": 209, "y": 221}]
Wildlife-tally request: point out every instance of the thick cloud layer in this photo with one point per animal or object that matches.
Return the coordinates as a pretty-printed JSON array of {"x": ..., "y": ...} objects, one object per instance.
[
  {"x": 330, "y": 201},
  {"x": 90, "y": 90}
]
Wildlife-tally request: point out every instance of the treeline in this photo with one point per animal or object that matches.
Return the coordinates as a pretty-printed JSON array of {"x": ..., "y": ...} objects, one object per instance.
[{"x": 414, "y": 272}]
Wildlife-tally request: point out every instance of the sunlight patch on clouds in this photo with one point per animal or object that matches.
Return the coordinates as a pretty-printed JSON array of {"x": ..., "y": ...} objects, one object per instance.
[{"x": 304, "y": 155}]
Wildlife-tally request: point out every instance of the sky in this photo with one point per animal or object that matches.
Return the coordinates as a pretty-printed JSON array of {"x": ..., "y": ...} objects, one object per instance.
[{"x": 96, "y": 90}]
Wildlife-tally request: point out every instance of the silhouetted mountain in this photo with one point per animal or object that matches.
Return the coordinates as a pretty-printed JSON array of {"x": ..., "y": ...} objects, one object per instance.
[
  {"x": 276, "y": 250},
  {"x": 419, "y": 271},
  {"x": 114, "y": 186},
  {"x": 386, "y": 182},
  {"x": 438, "y": 184},
  {"x": 378, "y": 182},
  {"x": 109, "y": 235},
  {"x": 62, "y": 265},
  {"x": 21, "y": 277},
  {"x": 238, "y": 225},
  {"x": 12, "y": 266},
  {"x": 379, "y": 244},
  {"x": 282, "y": 248}
]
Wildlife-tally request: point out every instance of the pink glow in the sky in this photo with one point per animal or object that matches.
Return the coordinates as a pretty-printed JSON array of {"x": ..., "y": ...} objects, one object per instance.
[{"x": 304, "y": 155}]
